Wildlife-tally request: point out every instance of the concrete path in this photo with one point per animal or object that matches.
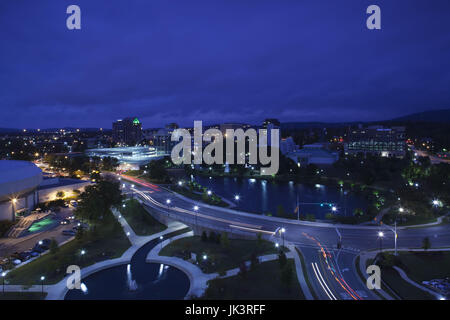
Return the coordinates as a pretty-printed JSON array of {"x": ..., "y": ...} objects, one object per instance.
[
  {"x": 363, "y": 257},
  {"x": 199, "y": 279},
  {"x": 405, "y": 277},
  {"x": 300, "y": 275},
  {"x": 59, "y": 290}
]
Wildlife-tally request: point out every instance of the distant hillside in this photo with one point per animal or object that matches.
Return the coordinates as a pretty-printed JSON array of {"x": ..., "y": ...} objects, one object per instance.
[
  {"x": 8, "y": 130},
  {"x": 442, "y": 116}
]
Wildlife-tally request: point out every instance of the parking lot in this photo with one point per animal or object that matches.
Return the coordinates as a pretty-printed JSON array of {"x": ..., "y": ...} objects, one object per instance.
[{"x": 11, "y": 246}]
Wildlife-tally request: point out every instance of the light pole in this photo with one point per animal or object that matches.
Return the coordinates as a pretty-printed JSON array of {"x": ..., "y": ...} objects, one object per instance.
[
  {"x": 380, "y": 236},
  {"x": 42, "y": 283},
  {"x": 168, "y": 206},
  {"x": 196, "y": 213},
  {"x": 394, "y": 230},
  {"x": 3, "y": 276},
  {"x": 161, "y": 239},
  {"x": 283, "y": 230}
]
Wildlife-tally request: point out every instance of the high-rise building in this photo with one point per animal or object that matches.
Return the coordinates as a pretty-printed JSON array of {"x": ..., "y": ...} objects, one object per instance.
[
  {"x": 377, "y": 140},
  {"x": 127, "y": 131},
  {"x": 269, "y": 125}
]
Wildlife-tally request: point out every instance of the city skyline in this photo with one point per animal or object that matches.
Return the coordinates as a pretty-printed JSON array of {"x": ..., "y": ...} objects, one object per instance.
[{"x": 301, "y": 61}]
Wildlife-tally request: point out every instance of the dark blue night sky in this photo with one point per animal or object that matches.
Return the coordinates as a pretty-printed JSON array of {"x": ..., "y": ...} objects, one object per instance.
[{"x": 217, "y": 61}]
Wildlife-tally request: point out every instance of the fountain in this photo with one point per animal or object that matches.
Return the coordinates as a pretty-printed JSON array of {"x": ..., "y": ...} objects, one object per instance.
[{"x": 132, "y": 284}]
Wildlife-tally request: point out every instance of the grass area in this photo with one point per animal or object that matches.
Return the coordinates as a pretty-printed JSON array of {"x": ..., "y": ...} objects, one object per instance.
[
  {"x": 220, "y": 257},
  {"x": 402, "y": 288},
  {"x": 423, "y": 266},
  {"x": 142, "y": 223},
  {"x": 105, "y": 241},
  {"x": 24, "y": 295},
  {"x": 305, "y": 274},
  {"x": 212, "y": 200},
  {"x": 263, "y": 282}
]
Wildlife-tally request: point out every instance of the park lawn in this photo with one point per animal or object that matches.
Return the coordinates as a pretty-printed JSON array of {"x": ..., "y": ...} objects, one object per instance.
[
  {"x": 106, "y": 241},
  {"x": 403, "y": 289},
  {"x": 264, "y": 282},
  {"x": 142, "y": 223},
  {"x": 219, "y": 257},
  {"x": 24, "y": 295},
  {"x": 423, "y": 266}
]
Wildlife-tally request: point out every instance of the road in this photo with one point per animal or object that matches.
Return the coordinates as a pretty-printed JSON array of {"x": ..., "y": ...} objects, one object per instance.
[{"x": 332, "y": 271}]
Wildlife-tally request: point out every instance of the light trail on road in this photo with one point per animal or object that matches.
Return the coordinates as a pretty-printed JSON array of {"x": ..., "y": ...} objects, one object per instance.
[{"x": 326, "y": 255}]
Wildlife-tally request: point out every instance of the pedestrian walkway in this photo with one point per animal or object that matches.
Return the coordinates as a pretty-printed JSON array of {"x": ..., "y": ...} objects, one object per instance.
[
  {"x": 199, "y": 279},
  {"x": 407, "y": 279}
]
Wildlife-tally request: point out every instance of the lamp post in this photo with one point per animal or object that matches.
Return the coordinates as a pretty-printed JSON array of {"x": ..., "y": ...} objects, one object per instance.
[
  {"x": 42, "y": 283},
  {"x": 283, "y": 230},
  {"x": 380, "y": 236},
  {"x": 161, "y": 239},
  {"x": 168, "y": 201},
  {"x": 3, "y": 276},
  {"x": 394, "y": 230},
  {"x": 196, "y": 213}
]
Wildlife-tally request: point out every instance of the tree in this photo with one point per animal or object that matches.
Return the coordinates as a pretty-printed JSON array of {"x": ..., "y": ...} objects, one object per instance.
[
  {"x": 204, "y": 237},
  {"x": 95, "y": 202},
  {"x": 80, "y": 233},
  {"x": 280, "y": 211},
  {"x": 282, "y": 260},
  {"x": 224, "y": 241},
  {"x": 254, "y": 261},
  {"x": 243, "y": 269},
  {"x": 60, "y": 194},
  {"x": 53, "y": 246},
  {"x": 287, "y": 275},
  {"x": 426, "y": 243},
  {"x": 259, "y": 240},
  {"x": 157, "y": 170}
]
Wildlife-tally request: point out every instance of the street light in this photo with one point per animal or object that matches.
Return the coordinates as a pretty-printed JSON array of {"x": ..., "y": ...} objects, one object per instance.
[
  {"x": 42, "y": 283},
  {"x": 401, "y": 209},
  {"x": 334, "y": 209},
  {"x": 196, "y": 214},
  {"x": 283, "y": 230},
  {"x": 209, "y": 192},
  {"x": 236, "y": 197},
  {"x": 161, "y": 239},
  {"x": 380, "y": 236},
  {"x": 3, "y": 276},
  {"x": 205, "y": 257}
]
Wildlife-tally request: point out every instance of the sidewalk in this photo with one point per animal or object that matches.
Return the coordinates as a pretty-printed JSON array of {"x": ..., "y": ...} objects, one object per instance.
[
  {"x": 405, "y": 277},
  {"x": 199, "y": 279}
]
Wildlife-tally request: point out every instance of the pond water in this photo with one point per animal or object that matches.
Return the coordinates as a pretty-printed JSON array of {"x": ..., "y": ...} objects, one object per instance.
[
  {"x": 261, "y": 196},
  {"x": 138, "y": 281}
]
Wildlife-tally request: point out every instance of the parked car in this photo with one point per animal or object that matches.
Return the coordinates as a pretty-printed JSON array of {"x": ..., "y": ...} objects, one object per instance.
[
  {"x": 73, "y": 203},
  {"x": 68, "y": 232},
  {"x": 17, "y": 261},
  {"x": 25, "y": 255}
]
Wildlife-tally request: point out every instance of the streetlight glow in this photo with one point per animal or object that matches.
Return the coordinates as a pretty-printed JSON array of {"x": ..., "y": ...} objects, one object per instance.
[
  {"x": 333, "y": 209},
  {"x": 168, "y": 201},
  {"x": 236, "y": 197},
  {"x": 381, "y": 234},
  {"x": 195, "y": 208}
]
